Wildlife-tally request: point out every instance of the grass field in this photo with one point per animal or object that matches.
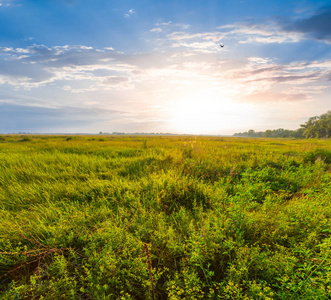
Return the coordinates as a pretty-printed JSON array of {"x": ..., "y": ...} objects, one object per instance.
[{"x": 181, "y": 217}]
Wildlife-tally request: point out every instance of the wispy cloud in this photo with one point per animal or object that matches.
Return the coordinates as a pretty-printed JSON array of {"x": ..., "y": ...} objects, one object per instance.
[
  {"x": 39, "y": 65},
  {"x": 265, "y": 33},
  {"x": 168, "y": 27},
  {"x": 117, "y": 81},
  {"x": 156, "y": 29},
  {"x": 209, "y": 36},
  {"x": 5, "y": 3},
  {"x": 317, "y": 26},
  {"x": 129, "y": 13},
  {"x": 283, "y": 30},
  {"x": 271, "y": 82}
]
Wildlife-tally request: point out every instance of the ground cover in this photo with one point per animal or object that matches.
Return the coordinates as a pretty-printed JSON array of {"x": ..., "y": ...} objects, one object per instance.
[{"x": 178, "y": 217}]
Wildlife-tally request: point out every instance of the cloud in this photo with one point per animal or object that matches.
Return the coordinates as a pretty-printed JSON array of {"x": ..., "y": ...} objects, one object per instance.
[
  {"x": 157, "y": 30},
  {"x": 317, "y": 26},
  {"x": 209, "y": 36},
  {"x": 274, "y": 97},
  {"x": 206, "y": 42},
  {"x": 289, "y": 78},
  {"x": 129, "y": 13},
  {"x": 283, "y": 30},
  {"x": 164, "y": 23},
  {"x": 116, "y": 80},
  {"x": 6, "y": 3},
  {"x": 38, "y": 65},
  {"x": 169, "y": 27},
  {"x": 256, "y": 69},
  {"x": 204, "y": 46},
  {"x": 306, "y": 89},
  {"x": 262, "y": 80},
  {"x": 265, "y": 33}
]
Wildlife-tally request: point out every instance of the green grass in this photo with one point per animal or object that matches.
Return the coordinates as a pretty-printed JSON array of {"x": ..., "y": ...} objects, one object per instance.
[{"x": 220, "y": 218}]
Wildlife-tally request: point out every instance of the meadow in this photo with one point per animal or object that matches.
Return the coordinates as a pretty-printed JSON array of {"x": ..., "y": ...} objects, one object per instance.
[{"x": 164, "y": 217}]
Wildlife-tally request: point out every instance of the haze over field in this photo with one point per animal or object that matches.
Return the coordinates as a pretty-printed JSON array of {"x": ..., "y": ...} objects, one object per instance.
[{"x": 156, "y": 66}]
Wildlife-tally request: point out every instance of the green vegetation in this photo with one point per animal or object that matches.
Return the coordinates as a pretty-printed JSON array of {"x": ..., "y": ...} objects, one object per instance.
[
  {"x": 164, "y": 218},
  {"x": 315, "y": 127}
]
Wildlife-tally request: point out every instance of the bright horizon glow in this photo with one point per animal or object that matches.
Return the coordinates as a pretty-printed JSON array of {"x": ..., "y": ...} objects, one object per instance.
[{"x": 205, "y": 112}]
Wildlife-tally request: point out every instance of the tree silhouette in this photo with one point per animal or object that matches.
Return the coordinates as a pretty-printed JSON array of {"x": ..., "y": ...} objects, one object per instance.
[{"x": 315, "y": 127}]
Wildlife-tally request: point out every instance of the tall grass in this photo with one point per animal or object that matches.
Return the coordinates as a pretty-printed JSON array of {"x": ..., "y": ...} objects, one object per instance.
[{"x": 134, "y": 217}]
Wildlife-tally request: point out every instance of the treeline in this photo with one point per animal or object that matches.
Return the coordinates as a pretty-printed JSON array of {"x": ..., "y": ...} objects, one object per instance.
[
  {"x": 136, "y": 133},
  {"x": 315, "y": 127},
  {"x": 276, "y": 133}
]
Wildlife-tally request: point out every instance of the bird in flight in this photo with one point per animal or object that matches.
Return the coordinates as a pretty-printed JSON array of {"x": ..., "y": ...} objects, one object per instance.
[{"x": 221, "y": 45}]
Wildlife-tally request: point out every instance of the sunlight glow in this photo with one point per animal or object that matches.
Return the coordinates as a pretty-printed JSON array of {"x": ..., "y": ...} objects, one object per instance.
[{"x": 207, "y": 112}]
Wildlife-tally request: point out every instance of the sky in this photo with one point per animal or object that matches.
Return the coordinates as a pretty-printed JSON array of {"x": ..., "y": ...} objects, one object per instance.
[{"x": 90, "y": 66}]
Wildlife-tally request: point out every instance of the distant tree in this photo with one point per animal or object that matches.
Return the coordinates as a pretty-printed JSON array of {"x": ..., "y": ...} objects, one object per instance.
[
  {"x": 251, "y": 133},
  {"x": 298, "y": 134},
  {"x": 315, "y": 127},
  {"x": 318, "y": 126},
  {"x": 267, "y": 133}
]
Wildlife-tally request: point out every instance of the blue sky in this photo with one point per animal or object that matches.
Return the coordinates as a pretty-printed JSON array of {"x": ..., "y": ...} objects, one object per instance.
[{"x": 83, "y": 66}]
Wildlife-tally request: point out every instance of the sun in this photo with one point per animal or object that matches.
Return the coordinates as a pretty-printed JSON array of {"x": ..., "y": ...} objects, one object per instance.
[{"x": 206, "y": 113}]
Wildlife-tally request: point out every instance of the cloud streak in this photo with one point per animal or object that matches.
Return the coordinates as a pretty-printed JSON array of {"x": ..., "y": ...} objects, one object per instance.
[
  {"x": 39, "y": 65},
  {"x": 6, "y": 3},
  {"x": 318, "y": 26},
  {"x": 283, "y": 30},
  {"x": 130, "y": 13}
]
